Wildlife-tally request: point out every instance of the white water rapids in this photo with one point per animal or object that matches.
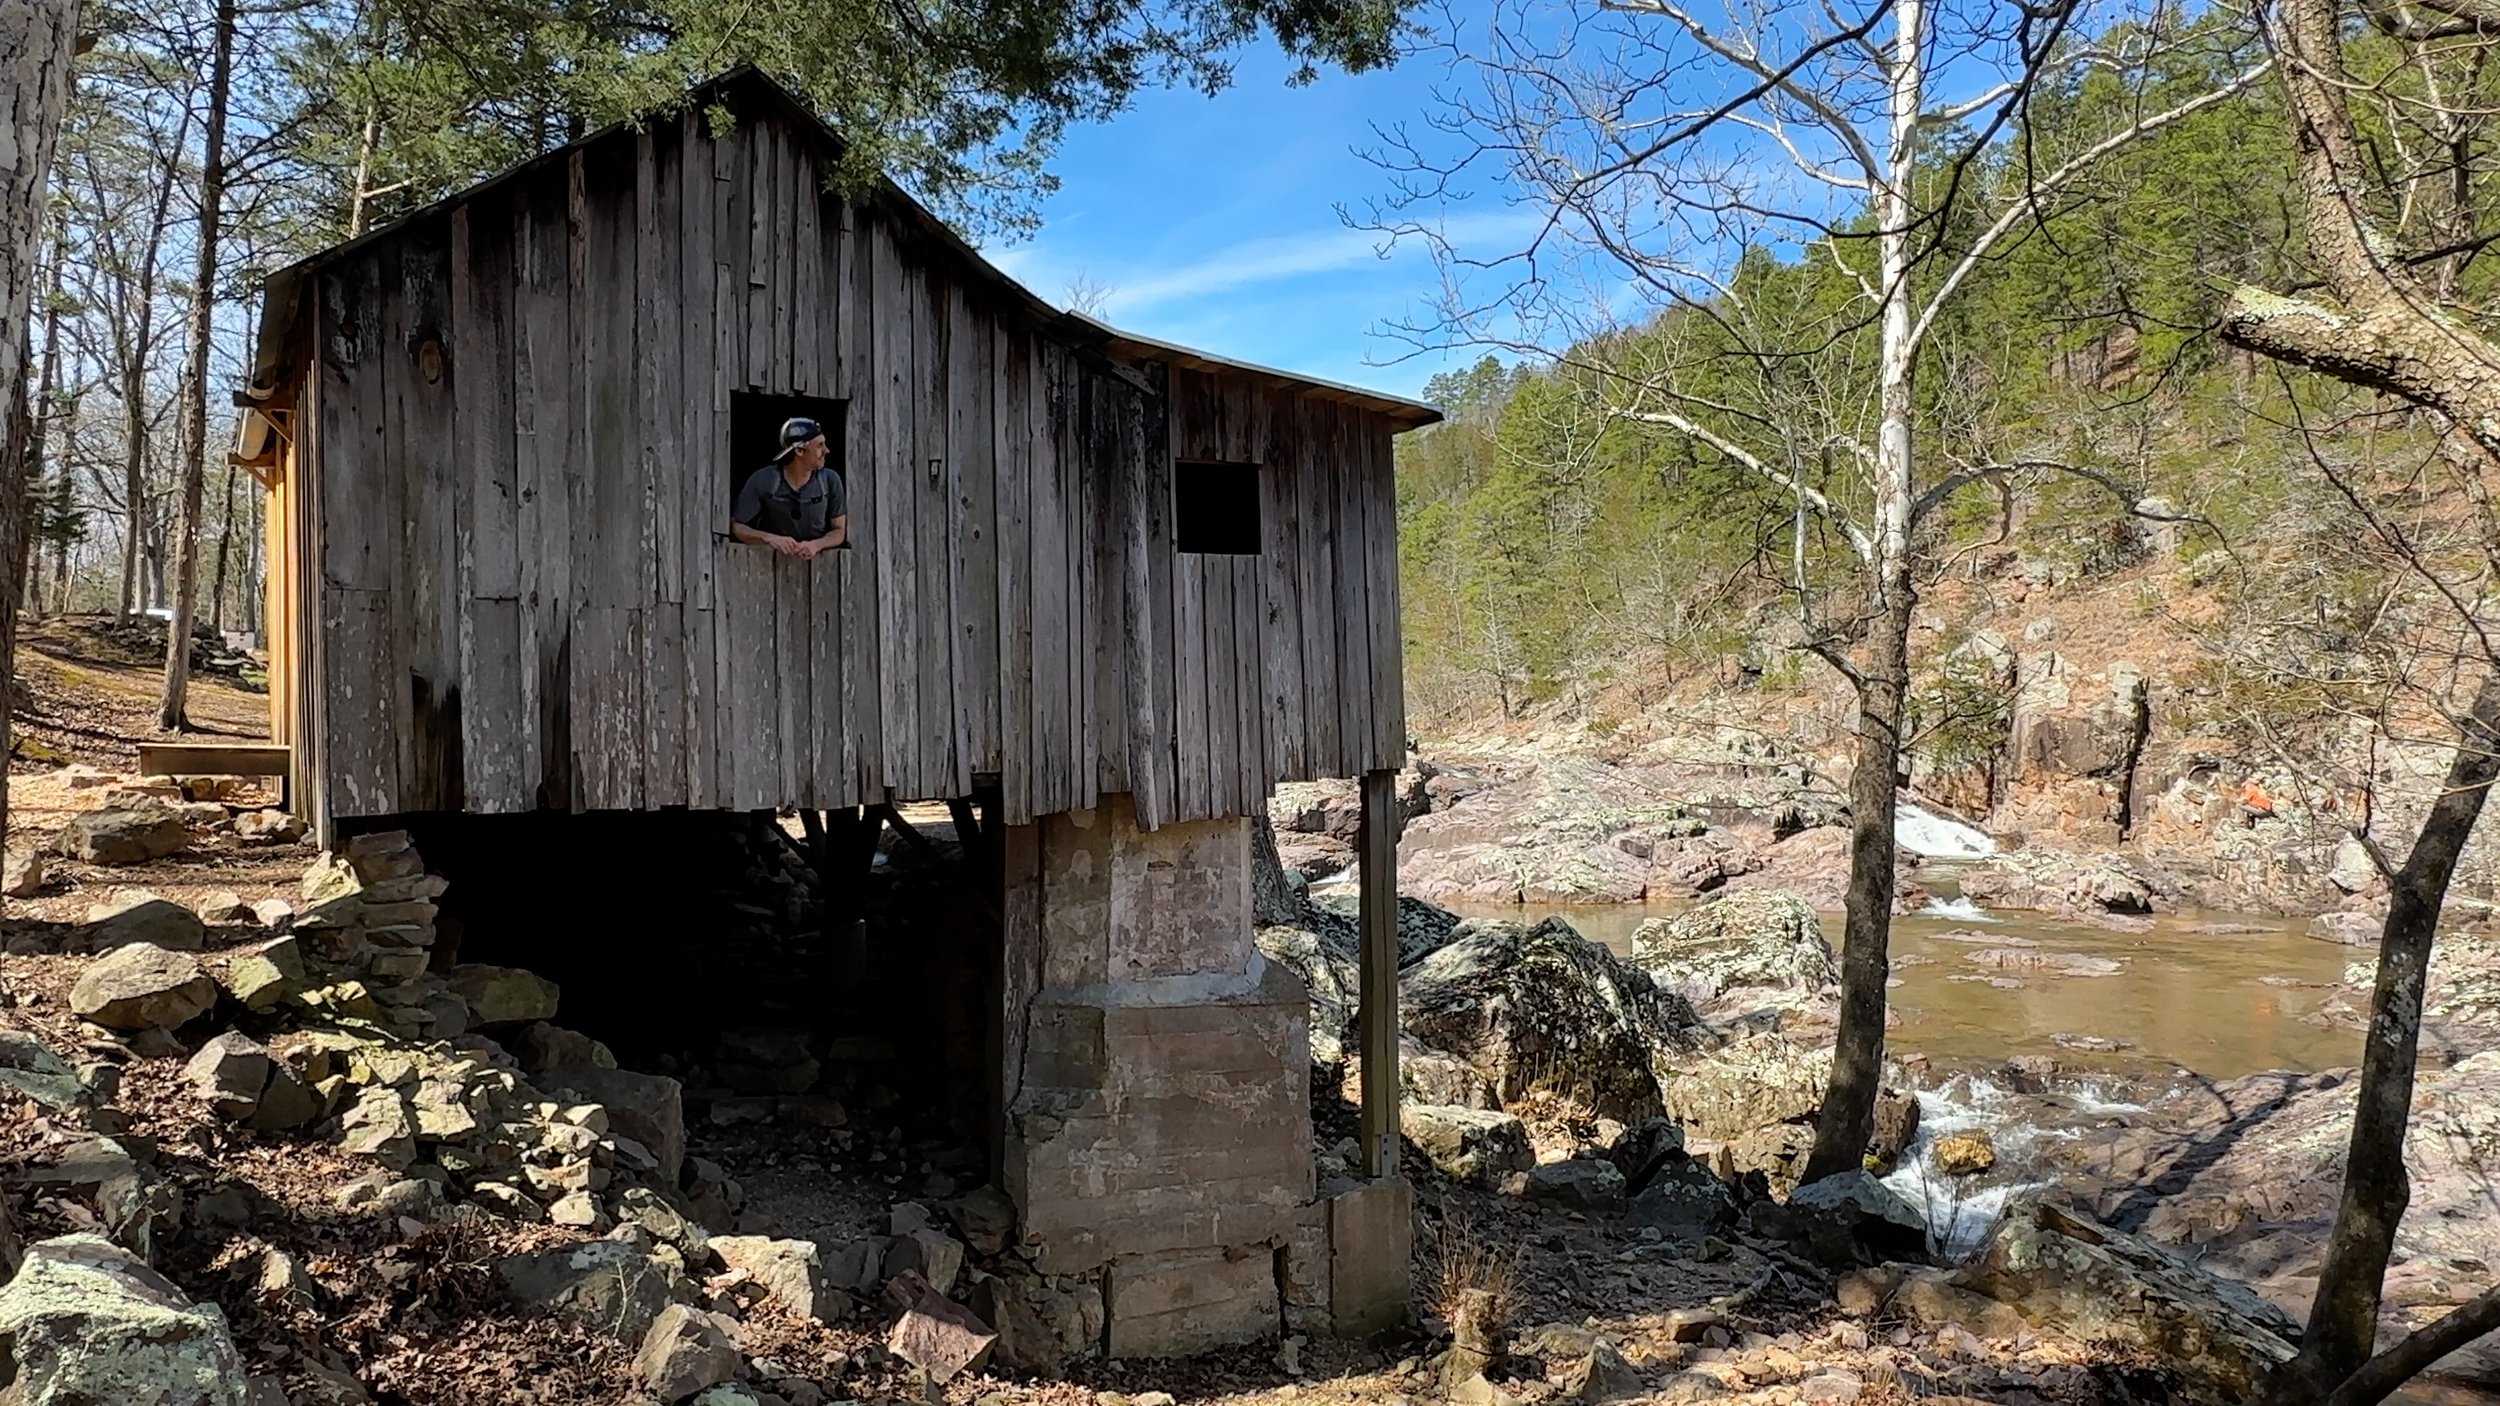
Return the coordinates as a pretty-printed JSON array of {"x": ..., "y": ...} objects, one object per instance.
[{"x": 1922, "y": 831}]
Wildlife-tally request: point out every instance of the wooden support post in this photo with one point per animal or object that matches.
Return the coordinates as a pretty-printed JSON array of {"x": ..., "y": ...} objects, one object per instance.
[{"x": 1379, "y": 1016}]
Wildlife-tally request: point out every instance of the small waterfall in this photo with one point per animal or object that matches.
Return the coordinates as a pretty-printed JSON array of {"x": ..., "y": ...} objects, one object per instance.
[
  {"x": 1957, "y": 910},
  {"x": 1924, "y": 832},
  {"x": 1961, "y": 1211}
]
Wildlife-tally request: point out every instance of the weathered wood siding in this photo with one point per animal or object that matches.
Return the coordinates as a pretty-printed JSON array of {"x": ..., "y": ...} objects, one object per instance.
[{"x": 527, "y": 596}]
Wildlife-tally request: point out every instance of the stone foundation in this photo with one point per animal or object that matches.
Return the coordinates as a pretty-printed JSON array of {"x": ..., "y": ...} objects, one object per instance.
[{"x": 1157, "y": 1088}]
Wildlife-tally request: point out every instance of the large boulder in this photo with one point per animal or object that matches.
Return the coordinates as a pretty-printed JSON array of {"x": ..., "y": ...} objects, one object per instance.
[
  {"x": 136, "y": 915},
  {"x": 141, "y": 987},
  {"x": 86, "y": 1323},
  {"x": 1543, "y": 1009},
  {"x": 2046, "y": 881},
  {"x": 2063, "y": 1270},
  {"x": 132, "y": 835},
  {"x": 1751, "y": 938}
]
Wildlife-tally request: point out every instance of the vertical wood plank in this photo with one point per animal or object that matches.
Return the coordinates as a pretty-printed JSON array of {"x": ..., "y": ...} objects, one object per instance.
[
  {"x": 865, "y": 473},
  {"x": 486, "y": 518},
  {"x": 1353, "y": 598},
  {"x": 1011, "y": 452},
  {"x": 1250, "y": 611},
  {"x": 833, "y": 780},
  {"x": 1388, "y": 624},
  {"x": 423, "y": 496},
  {"x": 1083, "y": 502},
  {"x": 794, "y": 611},
  {"x": 1315, "y": 511},
  {"x": 1289, "y": 746},
  {"x": 702, "y": 508},
  {"x": 1146, "y": 439},
  {"x": 972, "y": 561},
  {"x": 897, "y": 524},
  {"x": 760, "y": 211},
  {"x": 1054, "y": 633},
  {"x": 1222, "y": 676},
  {"x": 544, "y": 401},
  {"x": 933, "y": 481},
  {"x": 749, "y": 639}
]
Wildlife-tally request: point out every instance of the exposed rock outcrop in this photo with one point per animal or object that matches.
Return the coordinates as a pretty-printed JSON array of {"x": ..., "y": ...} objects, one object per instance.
[{"x": 1543, "y": 1009}]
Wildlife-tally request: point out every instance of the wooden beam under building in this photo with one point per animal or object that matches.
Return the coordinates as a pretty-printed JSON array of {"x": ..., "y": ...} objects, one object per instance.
[{"x": 1378, "y": 860}]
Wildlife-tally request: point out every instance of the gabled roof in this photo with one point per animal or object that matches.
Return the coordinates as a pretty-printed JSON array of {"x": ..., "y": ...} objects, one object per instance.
[{"x": 282, "y": 291}]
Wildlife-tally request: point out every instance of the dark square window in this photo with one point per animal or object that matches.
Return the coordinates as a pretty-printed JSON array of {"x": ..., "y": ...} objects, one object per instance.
[
  {"x": 1215, "y": 508},
  {"x": 755, "y": 432}
]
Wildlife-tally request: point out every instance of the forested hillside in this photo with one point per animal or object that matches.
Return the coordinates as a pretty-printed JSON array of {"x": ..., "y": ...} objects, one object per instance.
[{"x": 1561, "y": 546}]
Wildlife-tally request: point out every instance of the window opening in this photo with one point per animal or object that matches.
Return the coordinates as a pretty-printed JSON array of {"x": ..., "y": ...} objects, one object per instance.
[{"x": 1215, "y": 508}]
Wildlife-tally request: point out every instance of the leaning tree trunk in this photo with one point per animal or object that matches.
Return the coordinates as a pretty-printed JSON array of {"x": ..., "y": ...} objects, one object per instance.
[
  {"x": 37, "y": 39},
  {"x": 2343, "y": 1317},
  {"x": 2371, "y": 323},
  {"x": 170, "y": 711},
  {"x": 1847, "y": 1121}
]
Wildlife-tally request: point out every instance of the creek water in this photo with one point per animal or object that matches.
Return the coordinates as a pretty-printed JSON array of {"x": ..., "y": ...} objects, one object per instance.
[{"x": 2218, "y": 993}]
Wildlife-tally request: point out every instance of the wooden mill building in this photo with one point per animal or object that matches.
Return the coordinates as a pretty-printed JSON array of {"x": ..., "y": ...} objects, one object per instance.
[{"x": 1117, "y": 588}]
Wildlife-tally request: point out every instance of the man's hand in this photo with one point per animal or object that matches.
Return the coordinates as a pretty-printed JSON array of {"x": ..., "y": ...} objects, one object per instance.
[{"x": 788, "y": 547}]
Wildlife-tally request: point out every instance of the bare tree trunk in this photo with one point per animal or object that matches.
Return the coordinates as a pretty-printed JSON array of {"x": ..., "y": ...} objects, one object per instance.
[
  {"x": 170, "y": 712},
  {"x": 134, "y": 472},
  {"x": 39, "y": 428},
  {"x": 37, "y": 40},
  {"x": 1847, "y": 1121},
  {"x": 225, "y": 545},
  {"x": 2343, "y": 1318}
]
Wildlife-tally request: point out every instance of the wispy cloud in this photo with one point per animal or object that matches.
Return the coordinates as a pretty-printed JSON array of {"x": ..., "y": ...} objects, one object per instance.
[{"x": 1139, "y": 288}]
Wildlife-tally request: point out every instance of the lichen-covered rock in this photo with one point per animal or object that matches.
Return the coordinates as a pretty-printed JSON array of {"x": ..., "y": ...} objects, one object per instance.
[
  {"x": 136, "y": 915},
  {"x": 609, "y": 1286},
  {"x": 126, "y": 835},
  {"x": 1749, "y": 938},
  {"x": 259, "y": 977},
  {"x": 502, "y": 995},
  {"x": 1468, "y": 1144},
  {"x": 142, "y": 987},
  {"x": 1750, "y": 1084},
  {"x": 2060, "y": 1269},
  {"x": 86, "y": 1323},
  {"x": 1543, "y": 1009},
  {"x": 31, "y": 1069}
]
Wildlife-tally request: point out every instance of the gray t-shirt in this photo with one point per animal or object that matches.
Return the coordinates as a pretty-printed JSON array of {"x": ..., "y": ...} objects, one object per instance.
[{"x": 769, "y": 504}]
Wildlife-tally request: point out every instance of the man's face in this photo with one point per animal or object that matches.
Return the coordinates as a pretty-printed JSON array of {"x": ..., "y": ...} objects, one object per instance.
[{"x": 811, "y": 454}]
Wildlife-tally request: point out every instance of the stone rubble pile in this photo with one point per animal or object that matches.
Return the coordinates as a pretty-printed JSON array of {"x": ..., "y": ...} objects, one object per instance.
[{"x": 461, "y": 1091}]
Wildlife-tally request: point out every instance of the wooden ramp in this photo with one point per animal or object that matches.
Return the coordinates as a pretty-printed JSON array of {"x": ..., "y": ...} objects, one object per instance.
[{"x": 214, "y": 758}]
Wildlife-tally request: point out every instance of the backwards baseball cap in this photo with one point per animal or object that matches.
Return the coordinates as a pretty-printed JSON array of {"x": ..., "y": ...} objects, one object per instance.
[{"x": 795, "y": 431}]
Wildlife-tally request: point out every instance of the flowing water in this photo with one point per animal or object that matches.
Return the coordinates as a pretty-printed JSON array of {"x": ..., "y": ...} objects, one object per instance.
[{"x": 2221, "y": 994}]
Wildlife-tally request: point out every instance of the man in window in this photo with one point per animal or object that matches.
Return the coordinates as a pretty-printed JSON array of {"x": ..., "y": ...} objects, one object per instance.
[{"x": 794, "y": 504}]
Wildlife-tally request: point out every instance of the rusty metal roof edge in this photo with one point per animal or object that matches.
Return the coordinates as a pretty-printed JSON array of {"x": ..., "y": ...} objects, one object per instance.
[{"x": 281, "y": 297}]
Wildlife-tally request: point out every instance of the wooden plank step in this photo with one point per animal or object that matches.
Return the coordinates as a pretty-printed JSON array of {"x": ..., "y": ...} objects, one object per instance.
[{"x": 214, "y": 758}]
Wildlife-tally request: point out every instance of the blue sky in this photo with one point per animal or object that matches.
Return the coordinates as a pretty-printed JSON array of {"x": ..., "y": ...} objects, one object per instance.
[{"x": 1214, "y": 222}]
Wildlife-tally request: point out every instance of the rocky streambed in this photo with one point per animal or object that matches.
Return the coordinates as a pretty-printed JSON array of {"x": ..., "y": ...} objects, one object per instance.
[{"x": 2160, "y": 1074}]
